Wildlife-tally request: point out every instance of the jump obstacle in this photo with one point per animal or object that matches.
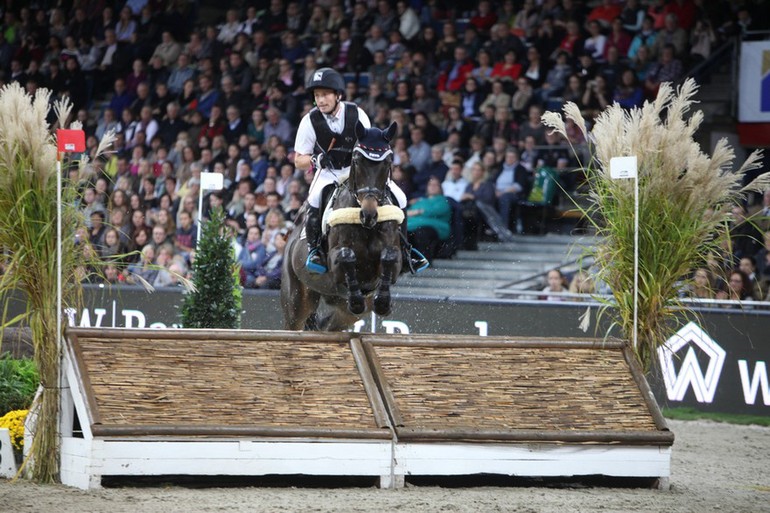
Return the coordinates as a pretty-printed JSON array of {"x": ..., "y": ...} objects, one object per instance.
[{"x": 258, "y": 403}]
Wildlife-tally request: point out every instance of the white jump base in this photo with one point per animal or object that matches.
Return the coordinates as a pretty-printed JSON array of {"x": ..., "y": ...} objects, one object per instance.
[{"x": 85, "y": 462}]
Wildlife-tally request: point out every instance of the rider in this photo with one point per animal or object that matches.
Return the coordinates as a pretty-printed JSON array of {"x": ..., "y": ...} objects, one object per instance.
[{"x": 325, "y": 140}]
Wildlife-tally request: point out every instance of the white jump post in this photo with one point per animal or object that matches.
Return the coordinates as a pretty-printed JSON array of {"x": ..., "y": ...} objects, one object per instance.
[
  {"x": 209, "y": 182},
  {"x": 622, "y": 168}
]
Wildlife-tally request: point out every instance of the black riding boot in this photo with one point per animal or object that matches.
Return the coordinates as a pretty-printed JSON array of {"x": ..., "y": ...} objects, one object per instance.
[
  {"x": 414, "y": 261},
  {"x": 316, "y": 259}
]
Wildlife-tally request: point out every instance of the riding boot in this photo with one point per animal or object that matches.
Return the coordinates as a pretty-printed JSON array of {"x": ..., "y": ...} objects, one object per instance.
[
  {"x": 316, "y": 259},
  {"x": 413, "y": 259}
]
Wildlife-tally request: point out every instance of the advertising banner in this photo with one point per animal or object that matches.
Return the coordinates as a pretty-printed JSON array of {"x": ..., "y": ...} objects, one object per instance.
[
  {"x": 716, "y": 362},
  {"x": 754, "y": 95}
]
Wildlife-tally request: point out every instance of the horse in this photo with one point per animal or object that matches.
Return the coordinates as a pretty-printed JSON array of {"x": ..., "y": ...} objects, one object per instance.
[{"x": 363, "y": 240}]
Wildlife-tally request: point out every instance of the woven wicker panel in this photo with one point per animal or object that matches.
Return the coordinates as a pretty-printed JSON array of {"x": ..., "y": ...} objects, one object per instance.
[
  {"x": 483, "y": 388},
  {"x": 225, "y": 382}
]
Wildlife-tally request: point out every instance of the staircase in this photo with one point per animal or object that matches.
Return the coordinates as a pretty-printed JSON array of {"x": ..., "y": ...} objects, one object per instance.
[{"x": 518, "y": 264}]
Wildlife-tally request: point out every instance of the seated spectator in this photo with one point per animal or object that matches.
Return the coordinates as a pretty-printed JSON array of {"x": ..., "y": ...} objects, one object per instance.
[
  {"x": 642, "y": 63},
  {"x": 581, "y": 283},
  {"x": 671, "y": 35},
  {"x": 632, "y": 16},
  {"x": 497, "y": 96},
  {"x": 595, "y": 43},
  {"x": 556, "y": 286},
  {"x": 429, "y": 220},
  {"x": 454, "y": 184},
  {"x": 618, "y": 39},
  {"x": 749, "y": 267},
  {"x": 605, "y": 12},
  {"x": 508, "y": 70},
  {"x": 645, "y": 37},
  {"x": 168, "y": 50},
  {"x": 512, "y": 185},
  {"x": 572, "y": 43},
  {"x": 555, "y": 79},
  {"x": 453, "y": 77},
  {"x": 480, "y": 189},
  {"x": 628, "y": 94},
  {"x": 252, "y": 257},
  {"x": 522, "y": 99},
  {"x": 271, "y": 277},
  {"x": 596, "y": 98},
  {"x": 737, "y": 288},
  {"x": 483, "y": 71},
  {"x": 667, "y": 69}
]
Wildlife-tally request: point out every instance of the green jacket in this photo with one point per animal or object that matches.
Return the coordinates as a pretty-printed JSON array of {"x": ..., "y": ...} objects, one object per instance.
[{"x": 437, "y": 214}]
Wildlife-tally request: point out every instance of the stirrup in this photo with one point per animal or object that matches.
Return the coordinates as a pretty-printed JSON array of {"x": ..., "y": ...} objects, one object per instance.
[
  {"x": 417, "y": 261},
  {"x": 314, "y": 262}
]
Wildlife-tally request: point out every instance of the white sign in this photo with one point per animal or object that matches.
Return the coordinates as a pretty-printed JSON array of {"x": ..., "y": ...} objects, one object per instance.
[
  {"x": 212, "y": 181},
  {"x": 704, "y": 386},
  {"x": 754, "y": 92},
  {"x": 623, "y": 167}
]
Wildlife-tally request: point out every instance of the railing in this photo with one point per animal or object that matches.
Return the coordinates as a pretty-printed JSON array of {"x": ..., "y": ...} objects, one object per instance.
[{"x": 600, "y": 299}]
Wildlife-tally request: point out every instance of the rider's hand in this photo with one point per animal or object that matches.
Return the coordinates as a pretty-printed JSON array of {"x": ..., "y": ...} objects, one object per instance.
[{"x": 321, "y": 161}]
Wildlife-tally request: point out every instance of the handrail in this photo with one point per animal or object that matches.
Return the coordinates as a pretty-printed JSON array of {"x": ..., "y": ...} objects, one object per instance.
[{"x": 595, "y": 298}]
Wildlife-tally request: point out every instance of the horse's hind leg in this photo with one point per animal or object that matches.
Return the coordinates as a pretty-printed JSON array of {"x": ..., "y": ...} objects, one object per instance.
[
  {"x": 389, "y": 260},
  {"x": 346, "y": 259}
]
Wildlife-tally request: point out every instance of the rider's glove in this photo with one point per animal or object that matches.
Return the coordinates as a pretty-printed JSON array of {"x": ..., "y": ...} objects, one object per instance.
[{"x": 321, "y": 161}]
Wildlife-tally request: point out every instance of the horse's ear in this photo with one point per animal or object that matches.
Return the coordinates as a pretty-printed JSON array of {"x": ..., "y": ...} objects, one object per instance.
[
  {"x": 390, "y": 131},
  {"x": 360, "y": 130}
]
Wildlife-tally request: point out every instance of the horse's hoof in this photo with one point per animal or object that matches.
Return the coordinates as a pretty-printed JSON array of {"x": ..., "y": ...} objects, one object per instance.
[
  {"x": 356, "y": 305},
  {"x": 382, "y": 304}
]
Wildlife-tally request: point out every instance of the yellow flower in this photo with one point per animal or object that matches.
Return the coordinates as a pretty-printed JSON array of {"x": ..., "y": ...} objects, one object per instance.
[{"x": 14, "y": 422}]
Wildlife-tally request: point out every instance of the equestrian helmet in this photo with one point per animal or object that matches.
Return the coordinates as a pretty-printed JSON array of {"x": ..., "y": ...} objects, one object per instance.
[{"x": 326, "y": 78}]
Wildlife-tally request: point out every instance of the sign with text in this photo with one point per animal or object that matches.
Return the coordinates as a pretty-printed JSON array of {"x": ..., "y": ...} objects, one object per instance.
[{"x": 623, "y": 167}]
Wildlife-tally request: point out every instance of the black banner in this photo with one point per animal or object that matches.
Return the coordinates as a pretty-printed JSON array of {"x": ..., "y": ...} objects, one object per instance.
[{"x": 718, "y": 361}]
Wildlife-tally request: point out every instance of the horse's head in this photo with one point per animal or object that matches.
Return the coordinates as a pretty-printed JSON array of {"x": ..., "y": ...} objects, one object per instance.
[{"x": 370, "y": 170}]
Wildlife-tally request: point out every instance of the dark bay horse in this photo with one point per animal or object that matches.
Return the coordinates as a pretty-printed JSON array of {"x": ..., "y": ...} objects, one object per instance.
[{"x": 364, "y": 256}]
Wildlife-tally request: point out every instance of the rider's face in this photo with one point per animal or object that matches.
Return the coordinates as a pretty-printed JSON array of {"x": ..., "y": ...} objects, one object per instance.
[{"x": 325, "y": 100}]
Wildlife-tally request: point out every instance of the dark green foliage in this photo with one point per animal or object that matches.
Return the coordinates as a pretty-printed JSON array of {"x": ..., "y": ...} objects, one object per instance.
[
  {"x": 18, "y": 383},
  {"x": 215, "y": 303}
]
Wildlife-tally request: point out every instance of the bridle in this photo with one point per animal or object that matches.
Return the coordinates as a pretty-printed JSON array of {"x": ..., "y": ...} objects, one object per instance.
[{"x": 373, "y": 155}]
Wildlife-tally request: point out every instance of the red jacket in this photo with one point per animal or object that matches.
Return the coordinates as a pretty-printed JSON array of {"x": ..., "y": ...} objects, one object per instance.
[{"x": 456, "y": 83}]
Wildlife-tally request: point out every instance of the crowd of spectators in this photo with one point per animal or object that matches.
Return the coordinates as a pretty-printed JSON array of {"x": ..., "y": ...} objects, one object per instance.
[{"x": 467, "y": 83}]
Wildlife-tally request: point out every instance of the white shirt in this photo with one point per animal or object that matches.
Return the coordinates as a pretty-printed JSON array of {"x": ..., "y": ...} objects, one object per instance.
[
  {"x": 454, "y": 188},
  {"x": 305, "y": 142}
]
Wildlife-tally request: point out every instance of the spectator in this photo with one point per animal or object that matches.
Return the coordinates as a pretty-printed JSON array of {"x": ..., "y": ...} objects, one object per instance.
[
  {"x": 556, "y": 286},
  {"x": 252, "y": 257},
  {"x": 671, "y": 34},
  {"x": 644, "y": 37},
  {"x": 278, "y": 126},
  {"x": 168, "y": 50},
  {"x": 629, "y": 94},
  {"x": 454, "y": 185},
  {"x": 512, "y": 185},
  {"x": 667, "y": 69},
  {"x": 429, "y": 220},
  {"x": 480, "y": 189}
]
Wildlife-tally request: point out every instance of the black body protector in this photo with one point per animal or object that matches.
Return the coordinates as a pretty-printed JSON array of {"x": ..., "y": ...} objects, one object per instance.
[{"x": 338, "y": 147}]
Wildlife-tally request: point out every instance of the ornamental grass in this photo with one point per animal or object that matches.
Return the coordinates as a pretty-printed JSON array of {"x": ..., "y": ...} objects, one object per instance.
[
  {"x": 685, "y": 202},
  {"x": 28, "y": 237}
]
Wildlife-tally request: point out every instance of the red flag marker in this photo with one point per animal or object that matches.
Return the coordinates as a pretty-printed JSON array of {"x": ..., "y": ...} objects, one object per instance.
[{"x": 70, "y": 140}]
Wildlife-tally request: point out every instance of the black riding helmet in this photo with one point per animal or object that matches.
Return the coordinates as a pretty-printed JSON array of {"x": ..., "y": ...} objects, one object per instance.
[{"x": 326, "y": 78}]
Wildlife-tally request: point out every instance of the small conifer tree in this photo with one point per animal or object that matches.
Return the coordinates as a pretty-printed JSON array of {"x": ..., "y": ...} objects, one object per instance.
[{"x": 216, "y": 300}]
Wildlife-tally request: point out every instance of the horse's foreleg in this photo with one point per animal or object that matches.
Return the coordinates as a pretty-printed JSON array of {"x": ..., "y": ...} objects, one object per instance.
[
  {"x": 346, "y": 259},
  {"x": 388, "y": 261}
]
